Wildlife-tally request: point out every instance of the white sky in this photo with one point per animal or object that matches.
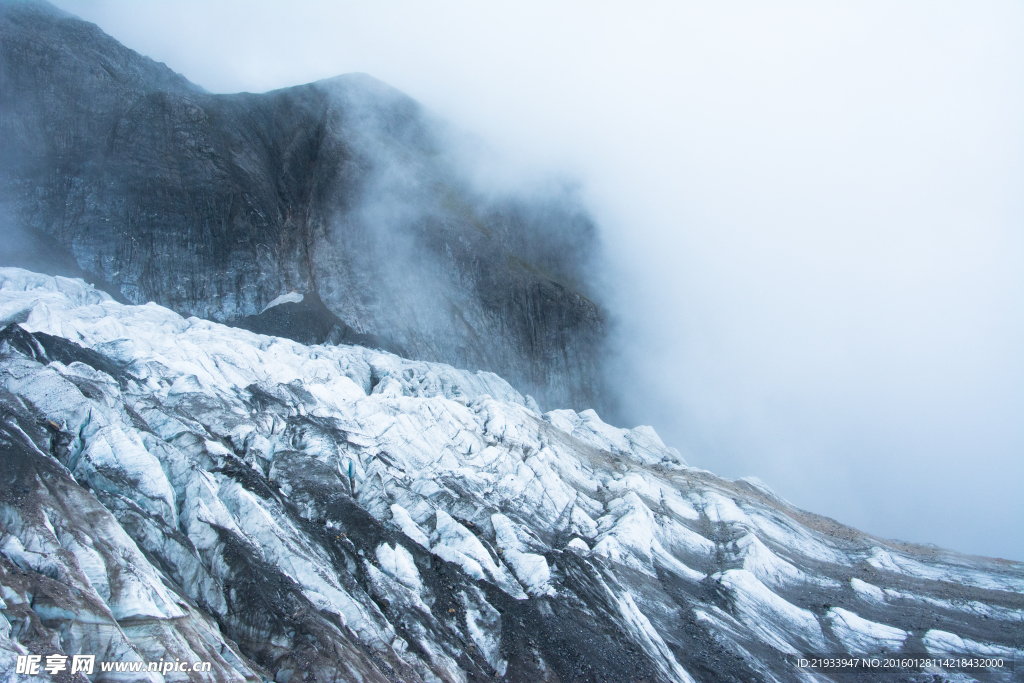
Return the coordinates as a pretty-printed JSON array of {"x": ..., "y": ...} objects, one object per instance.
[{"x": 814, "y": 213}]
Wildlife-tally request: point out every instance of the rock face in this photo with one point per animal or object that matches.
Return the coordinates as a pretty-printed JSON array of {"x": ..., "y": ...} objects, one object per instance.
[
  {"x": 304, "y": 318},
  {"x": 178, "y": 489},
  {"x": 116, "y": 169}
]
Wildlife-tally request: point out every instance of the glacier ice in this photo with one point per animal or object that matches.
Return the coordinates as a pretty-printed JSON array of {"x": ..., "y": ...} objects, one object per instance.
[{"x": 178, "y": 488}]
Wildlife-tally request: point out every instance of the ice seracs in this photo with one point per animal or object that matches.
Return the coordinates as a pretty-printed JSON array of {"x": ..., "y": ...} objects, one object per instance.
[{"x": 178, "y": 488}]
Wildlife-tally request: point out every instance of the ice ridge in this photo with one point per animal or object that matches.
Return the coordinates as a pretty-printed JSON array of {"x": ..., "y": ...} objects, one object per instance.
[{"x": 176, "y": 488}]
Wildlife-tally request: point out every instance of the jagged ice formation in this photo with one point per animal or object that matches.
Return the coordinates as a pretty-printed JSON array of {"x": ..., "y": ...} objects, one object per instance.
[{"x": 178, "y": 488}]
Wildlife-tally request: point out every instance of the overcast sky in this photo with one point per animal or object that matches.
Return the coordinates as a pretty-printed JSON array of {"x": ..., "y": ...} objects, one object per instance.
[{"x": 814, "y": 213}]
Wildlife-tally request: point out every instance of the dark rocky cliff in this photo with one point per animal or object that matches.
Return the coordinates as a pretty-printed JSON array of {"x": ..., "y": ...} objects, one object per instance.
[{"x": 115, "y": 168}]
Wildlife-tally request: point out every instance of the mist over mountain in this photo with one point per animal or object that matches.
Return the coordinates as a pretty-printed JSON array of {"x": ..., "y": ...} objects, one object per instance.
[
  {"x": 264, "y": 363},
  {"x": 214, "y": 205}
]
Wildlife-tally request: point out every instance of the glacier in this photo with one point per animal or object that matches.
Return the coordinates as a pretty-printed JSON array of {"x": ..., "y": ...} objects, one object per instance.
[{"x": 178, "y": 489}]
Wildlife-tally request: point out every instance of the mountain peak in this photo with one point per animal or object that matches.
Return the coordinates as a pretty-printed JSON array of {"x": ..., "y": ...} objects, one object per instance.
[{"x": 213, "y": 205}]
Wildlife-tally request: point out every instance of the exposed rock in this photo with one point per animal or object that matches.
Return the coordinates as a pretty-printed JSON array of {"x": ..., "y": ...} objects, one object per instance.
[
  {"x": 304, "y": 318},
  {"x": 115, "y": 169}
]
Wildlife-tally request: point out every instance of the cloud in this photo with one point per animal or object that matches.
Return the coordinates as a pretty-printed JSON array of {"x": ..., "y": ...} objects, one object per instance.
[{"x": 813, "y": 214}]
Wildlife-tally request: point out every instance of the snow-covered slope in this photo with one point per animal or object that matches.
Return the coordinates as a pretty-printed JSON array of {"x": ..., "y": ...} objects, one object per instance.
[{"x": 175, "y": 488}]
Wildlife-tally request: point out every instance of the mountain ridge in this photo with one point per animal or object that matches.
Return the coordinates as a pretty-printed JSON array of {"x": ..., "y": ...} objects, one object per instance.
[
  {"x": 215, "y": 204},
  {"x": 226, "y": 435}
]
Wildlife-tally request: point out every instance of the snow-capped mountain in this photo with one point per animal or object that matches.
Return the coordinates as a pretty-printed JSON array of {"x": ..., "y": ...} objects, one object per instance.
[
  {"x": 273, "y": 498},
  {"x": 178, "y": 489}
]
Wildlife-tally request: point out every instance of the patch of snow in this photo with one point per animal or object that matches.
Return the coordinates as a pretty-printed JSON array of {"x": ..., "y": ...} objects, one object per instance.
[
  {"x": 771, "y": 569},
  {"x": 946, "y": 644},
  {"x": 483, "y": 623},
  {"x": 867, "y": 592},
  {"x": 863, "y": 637},
  {"x": 638, "y": 622},
  {"x": 531, "y": 569},
  {"x": 892, "y": 561},
  {"x": 457, "y": 544},
  {"x": 289, "y": 298},
  {"x": 400, "y": 516},
  {"x": 778, "y": 622},
  {"x": 397, "y": 563},
  {"x": 719, "y": 508},
  {"x": 578, "y": 544}
]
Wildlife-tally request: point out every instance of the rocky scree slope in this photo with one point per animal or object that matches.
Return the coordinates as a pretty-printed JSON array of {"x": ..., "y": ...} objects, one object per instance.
[
  {"x": 176, "y": 488},
  {"x": 116, "y": 169}
]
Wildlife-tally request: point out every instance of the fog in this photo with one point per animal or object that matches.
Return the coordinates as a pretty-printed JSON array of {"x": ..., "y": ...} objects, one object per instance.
[{"x": 812, "y": 214}]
